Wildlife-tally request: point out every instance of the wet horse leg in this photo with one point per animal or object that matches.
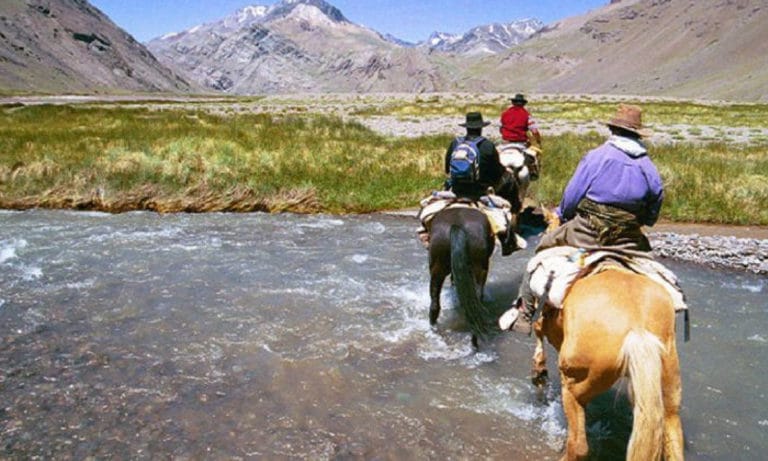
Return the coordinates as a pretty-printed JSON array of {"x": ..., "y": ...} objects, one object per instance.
[
  {"x": 576, "y": 447},
  {"x": 539, "y": 372},
  {"x": 548, "y": 326},
  {"x": 583, "y": 378},
  {"x": 437, "y": 278},
  {"x": 671, "y": 392}
]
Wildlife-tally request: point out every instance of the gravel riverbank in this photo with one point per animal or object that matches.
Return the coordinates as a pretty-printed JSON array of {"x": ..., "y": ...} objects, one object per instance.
[
  {"x": 738, "y": 248},
  {"x": 717, "y": 251}
]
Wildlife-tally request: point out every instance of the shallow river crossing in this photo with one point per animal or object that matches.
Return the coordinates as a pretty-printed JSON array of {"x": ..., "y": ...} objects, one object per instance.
[{"x": 256, "y": 336}]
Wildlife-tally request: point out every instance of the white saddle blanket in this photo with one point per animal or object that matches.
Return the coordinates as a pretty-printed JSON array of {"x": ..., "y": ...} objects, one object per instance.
[
  {"x": 567, "y": 262},
  {"x": 513, "y": 159},
  {"x": 511, "y": 155}
]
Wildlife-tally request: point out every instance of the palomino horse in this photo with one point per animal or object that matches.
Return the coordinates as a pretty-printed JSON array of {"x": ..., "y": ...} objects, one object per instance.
[
  {"x": 461, "y": 243},
  {"x": 616, "y": 324}
]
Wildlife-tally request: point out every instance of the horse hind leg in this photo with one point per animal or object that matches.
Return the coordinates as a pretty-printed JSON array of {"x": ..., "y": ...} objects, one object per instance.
[
  {"x": 539, "y": 373},
  {"x": 436, "y": 281},
  {"x": 481, "y": 275},
  {"x": 584, "y": 376},
  {"x": 576, "y": 447}
]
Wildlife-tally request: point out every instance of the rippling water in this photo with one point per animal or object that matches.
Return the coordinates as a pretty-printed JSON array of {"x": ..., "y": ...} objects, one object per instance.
[{"x": 256, "y": 336}]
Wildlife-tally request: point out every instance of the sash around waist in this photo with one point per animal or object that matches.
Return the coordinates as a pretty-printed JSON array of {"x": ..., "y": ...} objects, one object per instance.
[{"x": 610, "y": 223}]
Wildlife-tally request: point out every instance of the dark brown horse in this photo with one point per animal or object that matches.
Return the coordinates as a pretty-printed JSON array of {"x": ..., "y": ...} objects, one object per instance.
[{"x": 461, "y": 244}]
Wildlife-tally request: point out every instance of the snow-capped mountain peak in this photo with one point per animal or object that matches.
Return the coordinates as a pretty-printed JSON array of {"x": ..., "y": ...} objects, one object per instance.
[
  {"x": 251, "y": 12},
  {"x": 486, "y": 39},
  {"x": 310, "y": 10},
  {"x": 442, "y": 39},
  {"x": 245, "y": 16}
]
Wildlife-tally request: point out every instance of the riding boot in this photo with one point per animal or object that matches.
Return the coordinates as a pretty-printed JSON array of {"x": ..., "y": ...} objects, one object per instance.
[
  {"x": 524, "y": 322},
  {"x": 519, "y": 317},
  {"x": 423, "y": 235}
]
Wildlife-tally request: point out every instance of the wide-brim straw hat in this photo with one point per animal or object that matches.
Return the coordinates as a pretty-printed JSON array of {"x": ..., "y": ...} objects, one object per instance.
[
  {"x": 629, "y": 117},
  {"x": 474, "y": 120},
  {"x": 519, "y": 99}
]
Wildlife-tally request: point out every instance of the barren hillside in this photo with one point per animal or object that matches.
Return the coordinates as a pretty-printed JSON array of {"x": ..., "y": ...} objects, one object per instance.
[
  {"x": 713, "y": 49},
  {"x": 70, "y": 46}
]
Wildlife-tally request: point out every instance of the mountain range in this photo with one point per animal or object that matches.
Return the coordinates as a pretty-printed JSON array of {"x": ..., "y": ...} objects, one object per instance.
[
  {"x": 310, "y": 46},
  {"x": 710, "y": 49},
  {"x": 713, "y": 49}
]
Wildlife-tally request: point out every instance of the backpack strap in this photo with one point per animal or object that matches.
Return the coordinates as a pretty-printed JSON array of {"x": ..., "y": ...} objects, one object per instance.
[{"x": 475, "y": 142}]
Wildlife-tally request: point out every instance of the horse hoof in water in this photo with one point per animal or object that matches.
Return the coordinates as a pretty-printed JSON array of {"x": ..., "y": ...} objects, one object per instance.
[{"x": 540, "y": 378}]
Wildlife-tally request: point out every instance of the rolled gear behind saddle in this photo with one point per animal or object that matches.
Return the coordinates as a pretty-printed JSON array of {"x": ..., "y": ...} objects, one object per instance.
[
  {"x": 520, "y": 158},
  {"x": 496, "y": 209},
  {"x": 499, "y": 213},
  {"x": 512, "y": 157},
  {"x": 568, "y": 264},
  {"x": 430, "y": 206},
  {"x": 533, "y": 161}
]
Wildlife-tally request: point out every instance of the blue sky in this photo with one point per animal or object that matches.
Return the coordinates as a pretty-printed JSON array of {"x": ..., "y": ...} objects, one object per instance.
[{"x": 411, "y": 20}]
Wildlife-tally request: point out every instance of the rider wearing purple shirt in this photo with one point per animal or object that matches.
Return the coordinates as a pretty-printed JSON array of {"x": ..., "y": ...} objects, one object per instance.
[
  {"x": 618, "y": 173},
  {"x": 614, "y": 191}
]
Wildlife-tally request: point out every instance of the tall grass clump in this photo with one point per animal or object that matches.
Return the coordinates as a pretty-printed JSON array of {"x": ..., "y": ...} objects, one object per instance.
[
  {"x": 716, "y": 183},
  {"x": 117, "y": 158},
  {"x": 712, "y": 183}
]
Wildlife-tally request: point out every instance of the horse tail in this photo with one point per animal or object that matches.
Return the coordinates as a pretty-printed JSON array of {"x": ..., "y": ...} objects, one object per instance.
[
  {"x": 466, "y": 287},
  {"x": 641, "y": 362}
]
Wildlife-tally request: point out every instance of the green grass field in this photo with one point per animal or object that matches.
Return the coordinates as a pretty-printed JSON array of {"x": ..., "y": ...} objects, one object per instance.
[{"x": 116, "y": 158}]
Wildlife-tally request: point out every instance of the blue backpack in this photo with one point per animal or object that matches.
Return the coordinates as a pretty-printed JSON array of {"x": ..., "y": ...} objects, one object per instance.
[{"x": 465, "y": 161}]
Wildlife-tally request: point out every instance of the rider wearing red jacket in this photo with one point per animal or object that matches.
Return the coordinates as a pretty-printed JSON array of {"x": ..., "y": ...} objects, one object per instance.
[{"x": 516, "y": 122}]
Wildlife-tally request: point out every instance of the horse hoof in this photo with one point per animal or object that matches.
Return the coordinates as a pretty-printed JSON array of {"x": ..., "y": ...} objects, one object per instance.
[{"x": 540, "y": 379}]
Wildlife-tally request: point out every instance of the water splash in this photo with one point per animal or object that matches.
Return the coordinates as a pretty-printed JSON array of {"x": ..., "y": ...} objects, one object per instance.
[{"x": 8, "y": 248}]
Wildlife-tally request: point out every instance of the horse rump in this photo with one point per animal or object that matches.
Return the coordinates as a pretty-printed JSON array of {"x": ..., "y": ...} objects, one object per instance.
[{"x": 461, "y": 244}]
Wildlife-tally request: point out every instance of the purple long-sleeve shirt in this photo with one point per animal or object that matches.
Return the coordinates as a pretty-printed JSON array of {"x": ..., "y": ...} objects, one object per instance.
[{"x": 617, "y": 173}]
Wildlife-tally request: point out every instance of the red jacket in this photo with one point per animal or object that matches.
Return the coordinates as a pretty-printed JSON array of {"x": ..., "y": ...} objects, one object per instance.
[{"x": 515, "y": 123}]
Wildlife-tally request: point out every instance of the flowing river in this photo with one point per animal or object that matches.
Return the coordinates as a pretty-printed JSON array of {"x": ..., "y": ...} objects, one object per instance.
[{"x": 256, "y": 336}]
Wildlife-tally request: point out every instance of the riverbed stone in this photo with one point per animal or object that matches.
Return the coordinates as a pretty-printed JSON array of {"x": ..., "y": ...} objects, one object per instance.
[{"x": 743, "y": 254}]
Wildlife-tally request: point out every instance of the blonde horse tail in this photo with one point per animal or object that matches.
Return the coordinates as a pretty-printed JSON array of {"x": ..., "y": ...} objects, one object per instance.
[{"x": 641, "y": 362}]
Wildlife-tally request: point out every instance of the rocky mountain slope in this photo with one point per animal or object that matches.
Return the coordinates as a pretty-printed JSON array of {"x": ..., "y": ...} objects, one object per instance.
[
  {"x": 713, "y": 49},
  {"x": 308, "y": 45},
  {"x": 70, "y": 46},
  {"x": 304, "y": 45},
  {"x": 688, "y": 48}
]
